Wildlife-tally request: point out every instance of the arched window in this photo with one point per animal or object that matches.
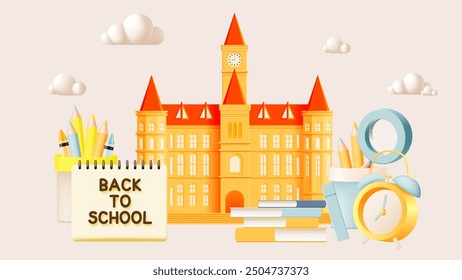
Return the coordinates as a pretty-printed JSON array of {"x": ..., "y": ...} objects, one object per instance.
[
  {"x": 276, "y": 164},
  {"x": 307, "y": 126},
  {"x": 318, "y": 143},
  {"x": 162, "y": 143},
  {"x": 206, "y": 168},
  {"x": 328, "y": 127},
  {"x": 328, "y": 143},
  {"x": 277, "y": 188},
  {"x": 151, "y": 143},
  {"x": 235, "y": 164},
  {"x": 289, "y": 164},
  {"x": 192, "y": 165},
  {"x": 152, "y": 127},
  {"x": 162, "y": 127},
  {"x": 263, "y": 188},
  {"x": 141, "y": 126},
  {"x": 317, "y": 127},
  {"x": 263, "y": 164},
  {"x": 180, "y": 164}
]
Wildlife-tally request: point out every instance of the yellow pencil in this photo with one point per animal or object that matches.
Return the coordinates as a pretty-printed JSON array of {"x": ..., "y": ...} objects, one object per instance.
[
  {"x": 357, "y": 154},
  {"x": 76, "y": 121},
  {"x": 101, "y": 138},
  {"x": 64, "y": 144},
  {"x": 344, "y": 155},
  {"x": 90, "y": 137}
]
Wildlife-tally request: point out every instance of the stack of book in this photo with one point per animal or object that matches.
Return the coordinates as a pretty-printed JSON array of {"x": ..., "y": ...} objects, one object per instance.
[{"x": 281, "y": 221}]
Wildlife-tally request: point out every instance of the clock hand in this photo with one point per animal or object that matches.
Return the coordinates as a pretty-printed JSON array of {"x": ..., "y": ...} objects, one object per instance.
[
  {"x": 384, "y": 201},
  {"x": 378, "y": 217}
]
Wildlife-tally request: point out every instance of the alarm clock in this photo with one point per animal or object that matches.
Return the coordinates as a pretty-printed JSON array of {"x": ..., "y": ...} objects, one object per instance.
[{"x": 386, "y": 211}]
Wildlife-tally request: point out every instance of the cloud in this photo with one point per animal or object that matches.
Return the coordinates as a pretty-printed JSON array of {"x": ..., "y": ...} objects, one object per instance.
[
  {"x": 137, "y": 29},
  {"x": 336, "y": 45},
  {"x": 412, "y": 84},
  {"x": 65, "y": 84}
]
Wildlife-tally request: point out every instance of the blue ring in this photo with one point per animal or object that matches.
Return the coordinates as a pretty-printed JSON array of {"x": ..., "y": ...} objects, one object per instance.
[{"x": 403, "y": 133}]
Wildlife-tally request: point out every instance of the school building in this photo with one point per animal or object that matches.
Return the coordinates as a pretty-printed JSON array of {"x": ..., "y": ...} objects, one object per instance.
[{"x": 234, "y": 154}]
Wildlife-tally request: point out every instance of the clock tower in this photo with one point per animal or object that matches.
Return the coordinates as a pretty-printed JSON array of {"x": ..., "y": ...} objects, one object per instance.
[{"x": 234, "y": 58}]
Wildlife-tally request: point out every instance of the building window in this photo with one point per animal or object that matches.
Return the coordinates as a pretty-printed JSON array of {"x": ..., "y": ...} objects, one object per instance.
[
  {"x": 192, "y": 188},
  {"x": 307, "y": 143},
  {"x": 276, "y": 141},
  {"x": 263, "y": 165},
  {"x": 180, "y": 141},
  {"x": 328, "y": 143},
  {"x": 298, "y": 194},
  {"x": 276, "y": 165},
  {"x": 180, "y": 165},
  {"x": 162, "y": 159},
  {"x": 307, "y": 126},
  {"x": 277, "y": 197},
  {"x": 317, "y": 127},
  {"x": 289, "y": 188},
  {"x": 151, "y": 143},
  {"x": 263, "y": 141},
  {"x": 141, "y": 126},
  {"x": 193, "y": 141},
  {"x": 297, "y": 166},
  {"x": 263, "y": 197},
  {"x": 289, "y": 141},
  {"x": 317, "y": 143},
  {"x": 317, "y": 159},
  {"x": 206, "y": 141},
  {"x": 289, "y": 164},
  {"x": 171, "y": 166},
  {"x": 297, "y": 143},
  {"x": 206, "y": 165},
  {"x": 179, "y": 200},
  {"x": 205, "y": 188},
  {"x": 307, "y": 165},
  {"x": 162, "y": 143},
  {"x": 328, "y": 127},
  {"x": 171, "y": 141},
  {"x": 205, "y": 200},
  {"x": 179, "y": 190},
  {"x": 277, "y": 188},
  {"x": 192, "y": 165},
  {"x": 151, "y": 158},
  {"x": 234, "y": 164},
  {"x": 141, "y": 143},
  {"x": 328, "y": 163},
  {"x": 192, "y": 200},
  {"x": 152, "y": 127},
  {"x": 289, "y": 197},
  {"x": 162, "y": 127},
  {"x": 263, "y": 188}
]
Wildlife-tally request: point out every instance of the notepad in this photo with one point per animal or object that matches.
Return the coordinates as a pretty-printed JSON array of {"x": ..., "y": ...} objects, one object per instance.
[{"x": 119, "y": 202}]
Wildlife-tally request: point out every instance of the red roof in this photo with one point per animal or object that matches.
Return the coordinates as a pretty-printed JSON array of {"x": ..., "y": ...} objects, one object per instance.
[
  {"x": 234, "y": 94},
  {"x": 151, "y": 101},
  {"x": 276, "y": 114},
  {"x": 194, "y": 114},
  {"x": 317, "y": 100},
  {"x": 234, "y": 36}
]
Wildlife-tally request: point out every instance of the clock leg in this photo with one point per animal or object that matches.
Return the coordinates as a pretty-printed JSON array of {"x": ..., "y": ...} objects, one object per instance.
[
  {"x": 398, "y": 246},
  {"x": 365, "y": 239}
]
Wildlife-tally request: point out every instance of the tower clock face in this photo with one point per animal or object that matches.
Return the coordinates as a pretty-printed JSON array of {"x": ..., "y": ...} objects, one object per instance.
[{"x": 234, "y": 59}]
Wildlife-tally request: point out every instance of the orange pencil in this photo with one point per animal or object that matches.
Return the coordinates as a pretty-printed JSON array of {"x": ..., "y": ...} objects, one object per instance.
[
  {"x": 356, "y": 153},
  {"x": 101, "y": 138},
  {"x": 64, "y": 144},
  {"x": 344, "y": 155}
]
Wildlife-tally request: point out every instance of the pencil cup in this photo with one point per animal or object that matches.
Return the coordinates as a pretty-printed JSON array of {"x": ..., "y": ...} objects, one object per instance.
[
  {"x": 344, "y": 183},
  {"x": 63, "y": 167}
]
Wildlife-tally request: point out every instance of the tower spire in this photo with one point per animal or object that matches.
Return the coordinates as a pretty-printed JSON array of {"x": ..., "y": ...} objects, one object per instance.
[
  {"x": 318, "y": 99},
  {"x": 234, "y": 36},
  {"x": 151, "y": 101},
  {"x": 234, "y": 94}
]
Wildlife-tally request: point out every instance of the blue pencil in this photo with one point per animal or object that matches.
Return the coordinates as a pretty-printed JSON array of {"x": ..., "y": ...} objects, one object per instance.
[
  {"x": 109, "y": 146},
  {"x": 73, "y": 139}
]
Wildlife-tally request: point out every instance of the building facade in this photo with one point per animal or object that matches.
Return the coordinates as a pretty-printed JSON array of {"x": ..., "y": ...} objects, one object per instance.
[{"x": 233, "y": 154}]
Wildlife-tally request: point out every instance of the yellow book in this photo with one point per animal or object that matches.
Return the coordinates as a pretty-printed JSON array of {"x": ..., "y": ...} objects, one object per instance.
[
  {"x": 281, "y": 222},
  {"x": 281, "y": 235}
]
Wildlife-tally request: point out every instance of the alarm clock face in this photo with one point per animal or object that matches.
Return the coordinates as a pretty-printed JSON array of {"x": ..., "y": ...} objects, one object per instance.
[
  {"x": 382, "y": 212},
  {"x": 234, "y": 59}
]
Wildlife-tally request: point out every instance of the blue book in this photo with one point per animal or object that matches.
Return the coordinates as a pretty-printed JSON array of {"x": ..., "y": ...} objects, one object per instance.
[
  {"x": 239, "y": 212},
  {"x": 292, "y": 203},
  {"x": 335, "y": 212}
]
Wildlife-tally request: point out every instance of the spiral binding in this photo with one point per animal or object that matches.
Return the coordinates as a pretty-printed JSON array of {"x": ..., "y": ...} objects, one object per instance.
[{"x": 111, "y": 165}]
